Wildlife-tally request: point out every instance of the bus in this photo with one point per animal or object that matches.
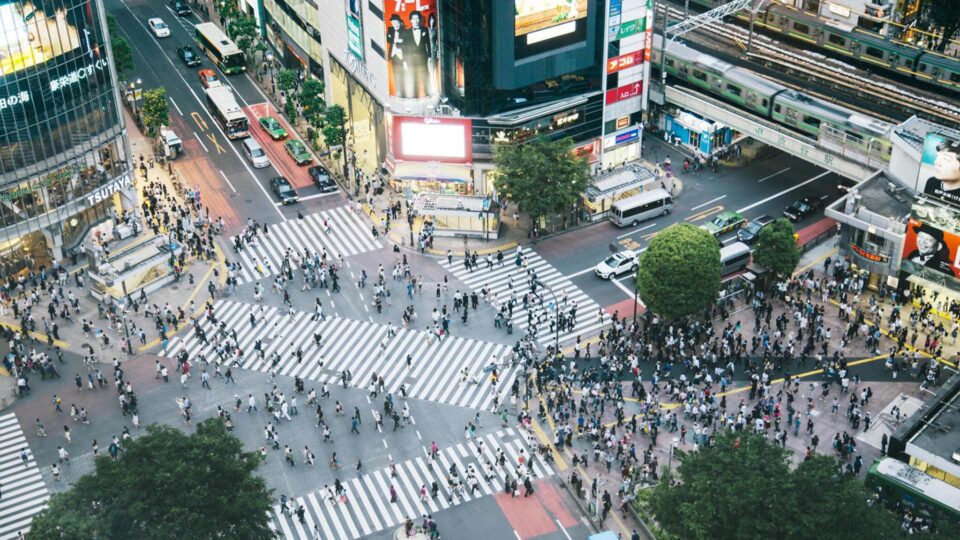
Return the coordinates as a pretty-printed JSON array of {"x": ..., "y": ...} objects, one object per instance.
[
  {"x": 901, "y": 488},
  {"x": 633, "y": 210},
  {"x": 224, "y": 108},
  {"x": 221, "y": 49}
]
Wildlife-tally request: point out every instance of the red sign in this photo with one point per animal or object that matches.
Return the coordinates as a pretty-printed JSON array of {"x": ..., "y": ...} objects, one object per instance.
[
  {"x": 619, "y": 94},
  {"x": 624, "y": 61}
]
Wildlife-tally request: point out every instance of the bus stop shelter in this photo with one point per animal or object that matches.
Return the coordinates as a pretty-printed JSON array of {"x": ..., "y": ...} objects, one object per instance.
[
  {"x": 459, "y": 215},
  {"x": 614, "y": 185}
]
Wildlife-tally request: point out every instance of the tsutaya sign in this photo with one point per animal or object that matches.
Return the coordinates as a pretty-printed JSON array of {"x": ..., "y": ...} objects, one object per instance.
[{"x": 105, "y": 192}]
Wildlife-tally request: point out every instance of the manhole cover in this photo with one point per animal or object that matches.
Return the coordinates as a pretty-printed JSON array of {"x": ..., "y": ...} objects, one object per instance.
[
  {"x": 248, "y": 201},
  {"x": 175, "y": 287}
]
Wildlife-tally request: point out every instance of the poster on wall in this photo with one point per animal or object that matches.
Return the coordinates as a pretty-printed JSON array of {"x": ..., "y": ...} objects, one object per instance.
[
  {"x": 355, "y": 28},
  {"x": 939, "y": 175},
  {"x": 932, "y": 253},
  {"x": 543, "y": 25},
  {"x": 413, "y": 42}
]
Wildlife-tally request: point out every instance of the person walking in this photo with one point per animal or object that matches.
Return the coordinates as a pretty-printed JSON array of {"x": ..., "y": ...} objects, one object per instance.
[{"x": 393, "y": 494}]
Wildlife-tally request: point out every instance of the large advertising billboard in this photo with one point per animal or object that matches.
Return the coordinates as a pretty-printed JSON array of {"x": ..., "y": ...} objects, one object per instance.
[
  {"x": 425, "y": 138},
  {"x": 543, "y": 25},
  {"x": 939, "y": 175},
  {"x": 413, "y": 48},
  {"x": 931, "y": 249}
]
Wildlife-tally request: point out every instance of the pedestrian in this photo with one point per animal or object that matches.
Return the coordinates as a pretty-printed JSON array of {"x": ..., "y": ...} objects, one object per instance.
[
  {"x": 55, "y": 471},
  {"x": 393, "y": 494},
  {"x": 66, "y": 433}
]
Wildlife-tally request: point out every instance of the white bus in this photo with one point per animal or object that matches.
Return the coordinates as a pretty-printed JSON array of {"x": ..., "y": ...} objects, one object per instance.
[
  {"x": 633, "y": 210},
  {"x": 224, "y": 108},
  {"x": 221, "y": 49}
]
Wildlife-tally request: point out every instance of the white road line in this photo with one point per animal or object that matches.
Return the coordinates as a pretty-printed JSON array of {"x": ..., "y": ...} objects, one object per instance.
[
  {"x": 562, "y": 529},
  {"x": 199, "y": 140},
  {"x": 318, "y": 196},
  {"x": 175, "y": 105},
  {"x": 581, "y": 272},
  {"x": 765, "y": 178},
  {"x": 224, "y": 175},
  {"x": 784, "y": 192},
  {"x": 623, "y": 288},
  {"x": 699, "y": 206},
  {"x": 640, "y": 229}
]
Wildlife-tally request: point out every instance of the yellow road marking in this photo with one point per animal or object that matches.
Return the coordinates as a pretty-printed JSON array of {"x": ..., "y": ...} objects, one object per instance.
[
  {"x": 706, "y": 213},
  {"x": 201, "y": 123}
]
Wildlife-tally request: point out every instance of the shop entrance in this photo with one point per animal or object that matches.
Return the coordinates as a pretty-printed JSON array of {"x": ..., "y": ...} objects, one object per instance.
[{"x": 366, "y": 132}]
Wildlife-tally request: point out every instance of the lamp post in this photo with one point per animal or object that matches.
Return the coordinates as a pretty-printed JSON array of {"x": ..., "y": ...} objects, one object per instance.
[{"x": 135, "y": 94}]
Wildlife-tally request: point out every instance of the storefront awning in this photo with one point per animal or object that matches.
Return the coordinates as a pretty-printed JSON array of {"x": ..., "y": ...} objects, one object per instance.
[{"x": 438, "y": 172}]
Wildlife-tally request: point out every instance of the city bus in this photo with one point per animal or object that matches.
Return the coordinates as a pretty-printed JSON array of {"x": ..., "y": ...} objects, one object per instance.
[
  {"x": 644, "y": 206},
  {"x": 902, "y": 487},
  {"x": 221, "y": 49},
  {"x": 224, "y": 108}
]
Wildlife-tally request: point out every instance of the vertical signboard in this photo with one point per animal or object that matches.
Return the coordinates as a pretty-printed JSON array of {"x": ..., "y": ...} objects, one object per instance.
[
  {"x": 647, "y": 52},
  {"x": 355, "y": 28},
  {"x": 413, "y": 42}
]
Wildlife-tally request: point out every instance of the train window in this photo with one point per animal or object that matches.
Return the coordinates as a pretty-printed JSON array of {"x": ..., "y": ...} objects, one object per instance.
[
  {"x": 800, "y": 27},
  {"x": 811, "y": 121},
  {"x": 735, "y": 90},
  {"x": 763, "y": 103},
  {"x": 777, "y": 108},
  {"x": 874, "y": 52},
  {"x": 670, "y": 62},
  {"x": 697, "y": 74},
  {"x": 855, "y": 137},
  {"x": 923, "y": 67},
  {"x": 771, "y": 16},
  {"x": 955, "y": 77},
  {"x": 837, "y": 40}
]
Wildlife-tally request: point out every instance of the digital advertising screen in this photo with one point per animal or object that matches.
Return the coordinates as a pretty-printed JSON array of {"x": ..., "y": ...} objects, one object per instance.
[
  {"x": 542, "y": 25},
  {"x": 932, "y": 253},
  {"x": 413, "y": 48},
  {"x": 423, "y": 138},
  {"x": 939, "y": 175}
]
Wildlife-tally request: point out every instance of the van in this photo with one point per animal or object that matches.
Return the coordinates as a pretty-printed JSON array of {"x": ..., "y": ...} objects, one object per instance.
[
  {"x": 734, "y": 258},
  {"x": 255, "y": 154},
  {"x": 647, "y": 205}
]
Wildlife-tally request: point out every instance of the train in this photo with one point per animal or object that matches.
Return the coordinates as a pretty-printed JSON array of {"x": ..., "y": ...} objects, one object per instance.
[
  {"x": 889, "y": 55},
  {"x": 818, "y": 119}
]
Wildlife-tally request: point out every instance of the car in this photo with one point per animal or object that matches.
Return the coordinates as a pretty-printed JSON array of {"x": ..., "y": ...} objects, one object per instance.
[
  {"x": 180, "y": 7},
  {"x": 298, "y": 151},
  {"x": 158, "y": 27},
  {"x": 620, "y": 262},
  {"x": 283, "y": 190},
  {"x": 750, "y": 233},
  {"x": 321, "y": 177},
  {"x": 208, "y": 78},
  {"x": 802, "y": 208},
  {"x": 188, "y": 55},
  {"x": 272, "y": 126},
  {"x": 724, "y": 222}
]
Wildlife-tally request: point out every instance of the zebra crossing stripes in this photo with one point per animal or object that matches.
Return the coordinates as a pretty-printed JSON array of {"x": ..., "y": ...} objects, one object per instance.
[
  {"x": 368, "y": 509},
  {"x": 22, "y": 486},
  {"x": 504, "y": 281},
  {"x": 362, "y": 347},
  {"x": 348, "y": 236}
]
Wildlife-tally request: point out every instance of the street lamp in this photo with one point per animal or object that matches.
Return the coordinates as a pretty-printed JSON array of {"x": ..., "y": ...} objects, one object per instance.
[{"x": 135, "y": 94}]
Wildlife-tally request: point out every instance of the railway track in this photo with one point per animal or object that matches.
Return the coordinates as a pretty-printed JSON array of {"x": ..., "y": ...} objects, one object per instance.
[{"x": 833, "y": 74}]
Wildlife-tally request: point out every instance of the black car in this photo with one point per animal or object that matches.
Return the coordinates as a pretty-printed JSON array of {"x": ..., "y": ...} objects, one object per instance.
[
  {"x": 283, "y": 190},
  {"x": 180, "y": 7},
  {"x": 751, "y": 232},
  {"x": 802, "y": 208},
  {"x": 188, "y": 55},
  {"x": 321, "y": 177}
]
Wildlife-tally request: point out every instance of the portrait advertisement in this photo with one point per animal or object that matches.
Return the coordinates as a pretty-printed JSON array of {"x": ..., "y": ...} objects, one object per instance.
[
  {"x": 939, "y": 175},
  {"x": 932, "y": 253},
  {"x": 413, "y": 48}
]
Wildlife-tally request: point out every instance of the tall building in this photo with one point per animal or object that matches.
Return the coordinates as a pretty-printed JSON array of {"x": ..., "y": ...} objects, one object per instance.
[{"x": 64, "y": 159}]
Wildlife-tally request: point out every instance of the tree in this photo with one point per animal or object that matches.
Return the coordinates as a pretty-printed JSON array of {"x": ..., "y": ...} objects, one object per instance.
[
  {"x": 155, "y": 110},
  {"x": 113, "y": 27},
  {"x": 776, "y": 248},
  {"x": 742, "y": 487},
  {"x": 944, "y": 15},
  {"x": 334, "y": 123},
  {"x": 244, "y": 31},
  {"x": 544, "y": 177},
  {"x": 122, "y": 56},
  {"x": 286, "y": 80},
  {"x": 679, "y": 274},
  {"x": 311, "y": 99},
  {"x": 166, "y": 484}
]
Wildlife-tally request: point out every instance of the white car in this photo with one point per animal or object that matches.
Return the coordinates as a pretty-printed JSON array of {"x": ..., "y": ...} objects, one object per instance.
[
  {"x": 158, "y": 27},
  {"x": 620, "y": 262}
]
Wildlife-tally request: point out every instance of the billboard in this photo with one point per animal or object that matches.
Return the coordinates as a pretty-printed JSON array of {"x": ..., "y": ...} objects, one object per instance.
[
  {"x": 355, "y": 28},
  {"x": 423, "y": 138},
  {"x": 543, "y": 25},
  {"x": 413, "y": 43},
  {"x": 932, "y": 253},
  {"x": 939, "y": 175}
]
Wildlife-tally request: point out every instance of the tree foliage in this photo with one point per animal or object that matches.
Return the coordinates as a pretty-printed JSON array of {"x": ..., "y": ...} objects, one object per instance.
[
  {"x": 286, "y": 80},
  {"x": 312, "y": 101},
  {"x": 679, "y": 274},
  {"x": 743, "y": 488},
  {"x": 155, "y": 110},
  {"x": 122, "y": 56},
  {"x": 113, "y": 27},
  {"x": 944, "y": 15},
  {"x": 544, "y": 177},
  {"x": 244, "y": 31},
  {"x": 776, "y": 248},
  {"x": 165, "y": 484},
  {"x": 334, "y": 119}
]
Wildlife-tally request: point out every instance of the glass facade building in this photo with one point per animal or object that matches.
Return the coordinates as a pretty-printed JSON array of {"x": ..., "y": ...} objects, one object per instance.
[{"x": 64, "y": 160}]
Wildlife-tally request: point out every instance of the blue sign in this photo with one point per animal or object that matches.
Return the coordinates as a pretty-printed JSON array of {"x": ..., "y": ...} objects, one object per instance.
[
  {"x": 629, "y": 136},
  {"x": 615, "y": 7}
]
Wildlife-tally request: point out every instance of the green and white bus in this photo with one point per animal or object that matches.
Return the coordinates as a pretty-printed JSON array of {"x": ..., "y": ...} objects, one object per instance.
[
  {"x": 221, "y": 49},
  {"x": 902, "y": 487}
]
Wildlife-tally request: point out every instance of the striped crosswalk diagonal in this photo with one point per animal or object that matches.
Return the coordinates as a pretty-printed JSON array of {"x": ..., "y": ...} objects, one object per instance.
[
  {"x": 512, "y": 281},
  {"x": 24, "y": 492}
]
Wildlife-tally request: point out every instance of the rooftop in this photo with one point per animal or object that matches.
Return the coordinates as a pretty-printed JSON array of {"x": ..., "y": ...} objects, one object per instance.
[
  {"x": 914, "y": 130},
  {"x": 937, "y": 437},
  {"x": 885, "y": 196}
]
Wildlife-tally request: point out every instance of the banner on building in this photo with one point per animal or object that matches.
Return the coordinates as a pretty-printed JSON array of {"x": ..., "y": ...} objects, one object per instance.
[
  {"x": 939, "y": 175},
  {"x": 932, "y": 253},
  {"x": 413, "y": 42},
  {"x": 355, "y": 28}
]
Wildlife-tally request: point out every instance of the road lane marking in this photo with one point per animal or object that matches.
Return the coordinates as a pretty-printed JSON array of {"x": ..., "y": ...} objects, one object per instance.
[
  {"x": 699, "y": 206},
  {"x": 213, "y": 139},
  {"x": 765, "y": 178},
  {"x": 201, "y": 123},
  {"x": 784, "y": 192},
  {"x": 705, "y": 214},
  {"x": 175, "y": 105},
  {"x": 227, "y": 180},
  {"x": 201, "y": 142},
  {"x": 640, "y": 229},
  {"x": 562, "y": 529},
  {"x": 622, "y": 287},
  {"x": 318, "y": 196}
]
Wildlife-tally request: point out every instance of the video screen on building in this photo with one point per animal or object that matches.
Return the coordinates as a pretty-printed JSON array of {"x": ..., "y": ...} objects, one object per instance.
[
  {"x": 931, "y": 249},
  {"x": 420, "y": 138},
  {"x": 413, "y": 48},
  {"x": 939, "y": 175},
  {"x": 542, "y": 25}
]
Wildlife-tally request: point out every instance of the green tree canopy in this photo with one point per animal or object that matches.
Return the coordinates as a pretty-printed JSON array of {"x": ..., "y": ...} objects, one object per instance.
[
  {"x": 334, "y": 118},
  {"x": 122, "y": 56},
  {"x": 112, "y": 25},
  {"x": 679, "y": 274},
  {"x": 286, "y": 80},
  {"x": 743, "y": 488},
  {"x": 944, "y": 15},
  {"x": 776, "y": 248},
  {"x": 155, "y": 110},
  {"x": 165, "y": 484},
  {"x": 542, "y": 176},
  {"x": 244, "y": 31},
  {"x": 311, "y": 99}
]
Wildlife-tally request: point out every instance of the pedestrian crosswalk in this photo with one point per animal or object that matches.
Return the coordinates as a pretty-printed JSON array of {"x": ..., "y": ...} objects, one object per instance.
[
  {"x": 22, "y": 491},
  {"x": 339, "y": 230},
  {"x": 509, "y": 279},
  {"x": 368, "y": 509},
  {"x": 435, "y": 374}
]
